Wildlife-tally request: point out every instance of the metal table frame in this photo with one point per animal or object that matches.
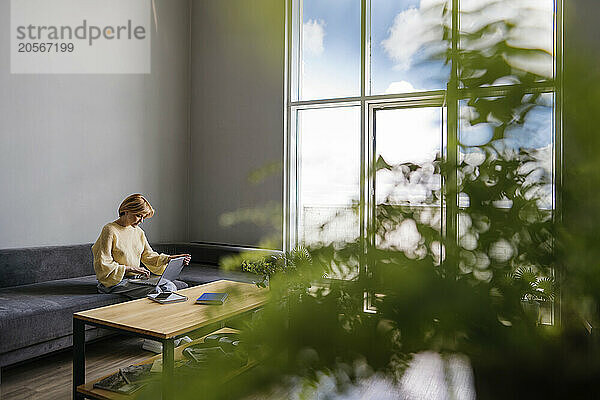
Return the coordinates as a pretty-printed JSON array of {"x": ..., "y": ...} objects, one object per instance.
[{"x": 168, "y": 353}]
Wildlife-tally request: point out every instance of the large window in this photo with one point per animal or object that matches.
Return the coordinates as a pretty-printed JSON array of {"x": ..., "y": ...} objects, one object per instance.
[{"x": 406, "y": 84}]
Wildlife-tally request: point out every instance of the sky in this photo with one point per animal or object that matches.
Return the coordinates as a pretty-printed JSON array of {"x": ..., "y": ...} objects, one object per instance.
[
  {"x": 331, "y": 48},
  {"x": 399, "y": 31},
  {"x": 330, "y": 138}
]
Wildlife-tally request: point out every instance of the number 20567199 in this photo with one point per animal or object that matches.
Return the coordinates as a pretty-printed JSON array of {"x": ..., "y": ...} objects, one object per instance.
[{"x": 48, "y": 47}]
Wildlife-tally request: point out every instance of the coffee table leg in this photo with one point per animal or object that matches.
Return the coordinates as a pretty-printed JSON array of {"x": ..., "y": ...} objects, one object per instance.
[
  {"x": 78, "y": 356},
  {"x": 168, "y": 366}
]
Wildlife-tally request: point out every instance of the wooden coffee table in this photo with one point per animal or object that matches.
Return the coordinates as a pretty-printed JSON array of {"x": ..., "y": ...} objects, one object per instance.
[{"x": 162, "y": 322}]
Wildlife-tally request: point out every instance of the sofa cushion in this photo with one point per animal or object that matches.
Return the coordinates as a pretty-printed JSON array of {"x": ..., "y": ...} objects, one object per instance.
[
  {"x": 50, "y": 346},
  {"x": 197, "y": 274},
  {"x": 39, "y": 264},
  {"x": 211, "y": 253},
  {"x": 38, "y": 312}
]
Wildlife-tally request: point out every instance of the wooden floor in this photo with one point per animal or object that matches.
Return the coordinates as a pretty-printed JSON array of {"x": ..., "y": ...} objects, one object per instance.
[{"x": 50, "y": 378}]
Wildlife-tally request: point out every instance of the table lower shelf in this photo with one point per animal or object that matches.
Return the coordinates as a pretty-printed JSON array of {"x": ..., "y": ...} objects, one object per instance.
[{"x": 90, "y": 391}]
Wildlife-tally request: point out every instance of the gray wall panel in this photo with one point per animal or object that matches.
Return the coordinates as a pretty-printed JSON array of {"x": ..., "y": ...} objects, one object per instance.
[{"x": 237, "y": 113}]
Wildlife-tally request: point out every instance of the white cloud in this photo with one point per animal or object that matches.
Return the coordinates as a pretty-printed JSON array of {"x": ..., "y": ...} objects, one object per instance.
[
  {"x": 313, "y": 33},
  {"x": 402, "y": 43},
  {"x": 411, "y": 29},
  {"x": 401, "y": 87}
]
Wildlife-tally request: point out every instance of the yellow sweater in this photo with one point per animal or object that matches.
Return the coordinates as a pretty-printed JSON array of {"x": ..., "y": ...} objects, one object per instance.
[{"x": 119, "y": 246}]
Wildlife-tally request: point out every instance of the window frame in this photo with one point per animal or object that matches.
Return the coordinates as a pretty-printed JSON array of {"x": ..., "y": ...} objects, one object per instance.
[{"x": 448, "y": 99}]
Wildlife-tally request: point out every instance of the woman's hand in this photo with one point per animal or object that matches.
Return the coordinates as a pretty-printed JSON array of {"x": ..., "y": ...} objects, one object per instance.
[
  {"x": 137, "y": 271},
  {"x": 187, "y": 259}
]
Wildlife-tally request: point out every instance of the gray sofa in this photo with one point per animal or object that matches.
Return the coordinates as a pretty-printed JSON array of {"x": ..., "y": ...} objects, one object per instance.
[{"x": 41, "y": 288}]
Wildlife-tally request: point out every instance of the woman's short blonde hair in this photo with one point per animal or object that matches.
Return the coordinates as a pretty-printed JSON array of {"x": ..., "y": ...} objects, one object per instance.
[{"x": 137, "y": 204}]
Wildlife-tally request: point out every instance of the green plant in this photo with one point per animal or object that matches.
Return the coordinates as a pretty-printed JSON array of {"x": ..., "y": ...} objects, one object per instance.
[
  {"x": 468, "y": 294},
  {"x": 295, "y": 262}
]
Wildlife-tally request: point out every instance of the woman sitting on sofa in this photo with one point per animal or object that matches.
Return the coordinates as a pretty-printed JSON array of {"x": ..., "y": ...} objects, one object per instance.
[{"x": 120, "y": 248}]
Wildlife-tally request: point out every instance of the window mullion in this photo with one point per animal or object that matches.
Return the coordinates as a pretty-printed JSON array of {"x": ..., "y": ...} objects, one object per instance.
[
  {"x": 451, "y": 188},
  {"x": 364, "y": 164}
]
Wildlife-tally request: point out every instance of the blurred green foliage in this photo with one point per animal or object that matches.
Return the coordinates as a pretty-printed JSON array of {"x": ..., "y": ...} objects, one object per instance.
[{"x": 513, "y": 255}]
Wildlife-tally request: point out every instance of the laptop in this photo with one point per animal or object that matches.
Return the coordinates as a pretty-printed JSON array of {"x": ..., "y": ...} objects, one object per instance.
[{"x": 171, "y": 273}]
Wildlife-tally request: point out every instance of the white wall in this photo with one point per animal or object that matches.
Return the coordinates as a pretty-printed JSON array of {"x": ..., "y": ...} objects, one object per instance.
[
  {"x": 236, "y": 113},
  {"x": 73, "y": 146}
]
